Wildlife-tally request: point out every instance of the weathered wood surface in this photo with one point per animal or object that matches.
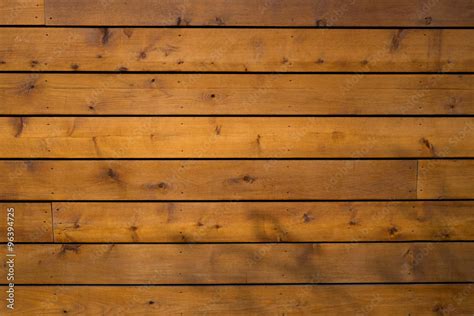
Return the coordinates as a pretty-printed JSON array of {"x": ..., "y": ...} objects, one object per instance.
[
  {"x": 239, "y": 50},
  {"x": 318, "y": 13},
  {"x": 246, "y": 300},
  {"x": 243, "y": 263},
  {"x": 263, "y": 221},
  {"x": 208, "y": 180},
  {"x": 237, "y": 94}
]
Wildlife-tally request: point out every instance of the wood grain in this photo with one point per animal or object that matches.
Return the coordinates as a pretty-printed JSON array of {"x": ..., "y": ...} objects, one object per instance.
[
  {"x": 208, "y": 180},
  {"x": 441, "y": 178},
  {"x": 135, "y": 200},
  {"x": 15, "y": 12},
  {"x": 241, "y": 94},
  {"x": 245, "y": 300},
  {"x": 32, "y": 222},
  {"x": 261, "y": 13},
  {"x": 263, "y": 222},
  {"x": 243, "y": 263},
  {"x": 240, "y": 50},
  {"x": 236, "y": 137}
]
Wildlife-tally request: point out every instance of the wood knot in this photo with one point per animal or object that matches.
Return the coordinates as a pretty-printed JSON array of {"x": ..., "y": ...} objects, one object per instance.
[
  {"x": 112, "y": 174},
  {"x": 156, "y": 186},
  {"x": 249, "y": 179},
  {"x": 106, "y": 34},
  {"x": 392, "y": 230},
  {"x": 396, "y": 40},
  {"x": 440, "y": 309},
  {"x": 428, "y": 145},
  {"x": 162, "y": 185},
  {"x": 142, "y": 55},
  {"x": 321, "y": 23},
  {"x": 68, "y": 247},
  {"x": 220, "y": 21},
  {"x": 307, "y": 218}
]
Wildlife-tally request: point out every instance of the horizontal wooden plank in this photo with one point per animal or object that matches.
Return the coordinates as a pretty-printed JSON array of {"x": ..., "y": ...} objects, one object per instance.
[
  {"x": 245, "y": 300},
  {"x": 201, "y": 50},
  {"x": 261, "y": 13},
  {"x": 234, "y": 137},
  {"x": 148, "y": 94},
  {"x": 15, "y": 12},
  {"x": 242, "y": 263},
  {"x": 439, "y": 179},
  {"x": 208, "y": 180},
  {"x": 262, "y": 222},
  {"x": 31, "y": 222}
]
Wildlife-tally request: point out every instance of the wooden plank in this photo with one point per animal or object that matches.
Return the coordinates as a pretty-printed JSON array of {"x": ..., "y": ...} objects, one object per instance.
[
  {"x": 242, "y": 263},
  {"x": 245, "y": 300},
  {"x": 263, "y": 222},
  {"x": 234, "y": 137},
  {"x": 32, "y": 222},
  {"x": 208, "y": 180},
  {"x": 261, "y": 12},
  {"x": 16, "y": 12},
  {"x": 241, "y": 50},
  {"x": 439, "y": 179},
  {"x": 148, "y": 94}
]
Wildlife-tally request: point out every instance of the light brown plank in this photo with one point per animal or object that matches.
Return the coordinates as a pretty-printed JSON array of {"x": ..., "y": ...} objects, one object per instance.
[
  {"x": 236, "y": 137},
  {"x": 208, "y": 180},
  {"x": 144, "y": 94},
  {"x": 261, "y": 12},
  {"x": 262, "y": 222},
  {"x": 246, "y": 300},
  {"x": 282, "y": 50},
  {"x": 14, "y": 12},
  {"x": 440, "y": 179},
  {"x": 32, "y": 222},
  {"x": 243, "y": 263}
]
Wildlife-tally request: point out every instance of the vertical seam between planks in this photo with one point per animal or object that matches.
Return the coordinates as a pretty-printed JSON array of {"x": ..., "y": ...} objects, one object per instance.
[
  {"x": 44, "y": 23},
  {"x": 416, "y": 182},
  {"x": 52, "y": 222}
]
